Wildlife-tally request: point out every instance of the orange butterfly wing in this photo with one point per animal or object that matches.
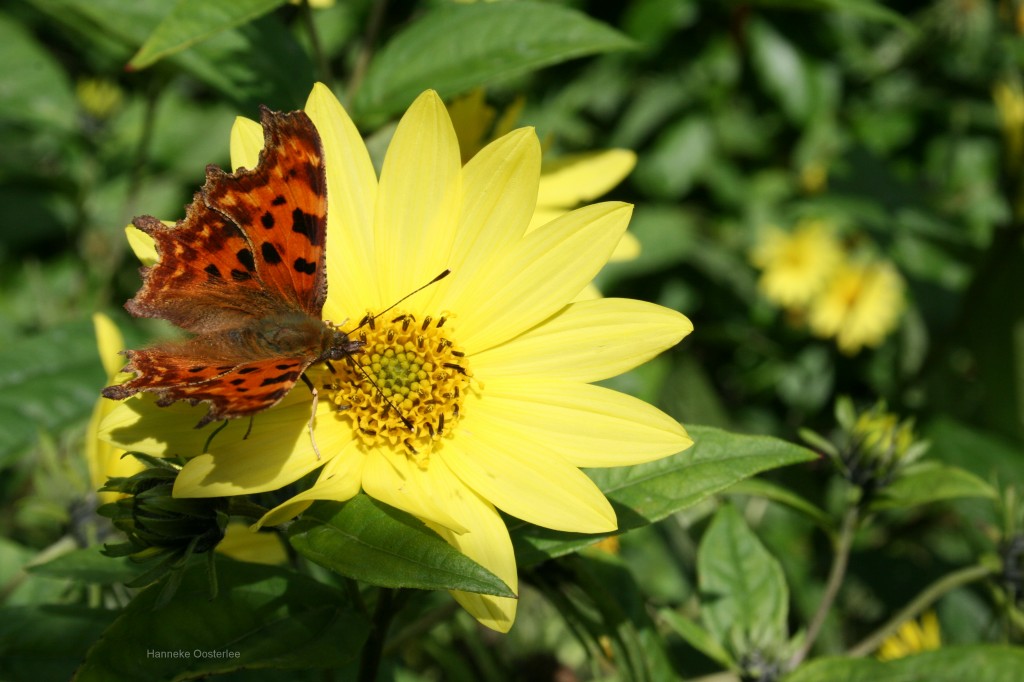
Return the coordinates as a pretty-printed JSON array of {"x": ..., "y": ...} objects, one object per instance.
[{"x": 244, "y": 270}]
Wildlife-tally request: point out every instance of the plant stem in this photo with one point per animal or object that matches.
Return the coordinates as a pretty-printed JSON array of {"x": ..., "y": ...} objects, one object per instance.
[
  {"x": 363, "y": 60},
  {"x": 322, "y": 64},
  {"x": 835, "y": 580},
  {"x": 369, "y": 661},
  {"x": 930, "y": 595}
]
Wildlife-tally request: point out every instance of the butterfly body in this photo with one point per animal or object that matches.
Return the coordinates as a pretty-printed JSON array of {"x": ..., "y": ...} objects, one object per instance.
[{"x": 244, "y": 271}]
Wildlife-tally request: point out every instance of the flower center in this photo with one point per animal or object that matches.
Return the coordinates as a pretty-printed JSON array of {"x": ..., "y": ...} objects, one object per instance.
[{"x": 408, "y": 388}]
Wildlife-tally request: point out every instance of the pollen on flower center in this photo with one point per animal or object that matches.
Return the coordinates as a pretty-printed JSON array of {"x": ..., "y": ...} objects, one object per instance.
[{"x": 416, "y": 368}]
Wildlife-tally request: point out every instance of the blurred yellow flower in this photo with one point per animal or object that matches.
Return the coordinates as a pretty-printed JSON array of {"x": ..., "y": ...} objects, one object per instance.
[
  {"x": 796, "y": 265},
  {"x": 911, "y": 638},
  {"x": 98, "y": 97},
  {"x": 861, "y": 304},
  {"x": 1009, "y": 101}
]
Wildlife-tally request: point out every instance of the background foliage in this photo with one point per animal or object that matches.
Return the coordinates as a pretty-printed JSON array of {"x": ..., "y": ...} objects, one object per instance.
[{"x": 902, "y": 123}]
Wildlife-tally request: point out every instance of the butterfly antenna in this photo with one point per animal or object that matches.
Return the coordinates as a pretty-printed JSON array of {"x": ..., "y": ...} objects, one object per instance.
[
  {"x": 370, "y": 318},
  {"x": 369, "y": 377}
]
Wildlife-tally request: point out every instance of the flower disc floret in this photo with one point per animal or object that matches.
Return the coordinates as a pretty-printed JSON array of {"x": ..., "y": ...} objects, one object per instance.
[{"x": 406, "y": 386}]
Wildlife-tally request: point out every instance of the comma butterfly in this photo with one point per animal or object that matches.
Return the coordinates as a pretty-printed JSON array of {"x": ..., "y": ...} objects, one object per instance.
[{"x": 244, "y": 271}]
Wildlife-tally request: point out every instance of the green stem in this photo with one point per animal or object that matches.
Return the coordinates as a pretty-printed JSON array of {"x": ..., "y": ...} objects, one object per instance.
[
  {"x": 369, "y": 661},
  {"x": 835, "y": 580},
  {"x": 363, "y": 60},
  {"x": 929, "y": 596},
  {"x": 322, "y": 64}
]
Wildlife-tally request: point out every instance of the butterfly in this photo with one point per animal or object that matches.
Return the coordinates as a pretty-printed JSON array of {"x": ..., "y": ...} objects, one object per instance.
[{"x": 245, "y": 273}]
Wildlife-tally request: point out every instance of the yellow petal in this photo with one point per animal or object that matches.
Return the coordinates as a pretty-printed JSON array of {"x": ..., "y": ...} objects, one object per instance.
[
  {"x": 137, "y": 424},
  {"x": 418, "y": 199},
  {"x": 109, "y": 342},
  {"x": 571, "y": 180},
  {"x": 142, "y": 245},
  {"x": 627, "y": 249},
  {"x": 586, "y": 425},
  {"x": 587, "y": 341},
  {"x": 339, "y": 481},
  {"x": 278, "y": 451},
  {"x": 535, "y": 485},
  {"x": 539, "y": 276},
  {"x": 243, "y": 544},
  {"x": 246, "y": 143},
  {"x": 351, "y": 198},
  {"x": 394, "y": 479},
  {"x": 485, "y": 540},
  {"x": 499, "y": 191}
]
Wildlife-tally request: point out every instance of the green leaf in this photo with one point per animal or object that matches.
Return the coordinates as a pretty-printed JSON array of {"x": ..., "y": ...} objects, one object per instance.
[
  {"x": 372, "y": 542},
  {"x": 38, "y": 91},
  {"x": 677, "y": 159},
  {"x": 258, "y": 63},
  {"x": 262, "y": 617},
  {"x": 699, "y": 638},
  {"x": 461, "y": 46},
  {"x": 192, "y": 21},
  {"x": 47, "y": 381},
  {"x": 868, "y": 9},
  {"x": 757, "y": 487},
  {"x": 743, "y": 590},
  {"x": 47, "y": 642},
  {"x": 929, "y": 482},
  {"x": 978, "y": 663},
  {"x": 88, "y": 565},
  {"x": 647, "y": 493}
]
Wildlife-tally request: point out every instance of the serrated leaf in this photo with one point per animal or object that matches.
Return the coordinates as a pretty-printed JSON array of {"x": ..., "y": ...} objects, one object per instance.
[
  {"x": 47, "y": 642},
  {"x": 262, "y": 617},
  {"x": 460, "y": 46},
  {"x": 699, "y": 638},
  {"x": 647, "y": 493},
  {"x": 47, "y": 381},
  {"x": 930, "y": 482},
  {"x": 376, "y": 544},
  {"x": 979, "y": 663},
  {"x": 88, "y": 565},
  {"x": 192, "y": 21},
  {"x": 743, "y": 590}
]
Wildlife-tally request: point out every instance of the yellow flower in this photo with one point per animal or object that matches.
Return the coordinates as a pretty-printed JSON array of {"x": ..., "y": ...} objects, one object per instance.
[
  {"x": 493, "y": 365},
  {"x": 99, "y": 97},
  {"x": 104, "y": 459},
  {"x": 795, "y": 265},
  {"x": 860, "y": 306},
  {"x": 912, "y": 638},
  {"x": 565, "y": 182},
  {"x": 261, "y": 548}
]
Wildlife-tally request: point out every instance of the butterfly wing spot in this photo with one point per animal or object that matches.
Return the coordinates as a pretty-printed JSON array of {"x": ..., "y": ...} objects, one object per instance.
[
  {"x": 269, "y": 253},
  {"x": 304, "y": 266},
  {"x": 278, "y": 201},
  {"x": 306, "y": 225},
  {"x": 245, "y": 258}
]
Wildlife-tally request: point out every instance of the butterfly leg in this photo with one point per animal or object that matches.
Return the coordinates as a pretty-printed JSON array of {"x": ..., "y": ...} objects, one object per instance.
[{"x": 312, "y": 416}]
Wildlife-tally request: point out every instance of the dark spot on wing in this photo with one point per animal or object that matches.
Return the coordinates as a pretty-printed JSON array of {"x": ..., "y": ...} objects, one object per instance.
[
  {"x": 247, "y": 370},
  {"x": 246, "y": 259},
  {"x": 240, "y": 276},
  {"x": 268, "y": 218},
  {"x": 200, "y": 368},
  {"x": 304, "y": 266},
  {"x": 305, "y": 224},
  {"x": 270, "y": 254},
  {"x": 212, "y": 270},
  {"x": 236, "y": 382},
  {"x": 281, "y": 378},
  {"x": 278, "y": 200}
]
